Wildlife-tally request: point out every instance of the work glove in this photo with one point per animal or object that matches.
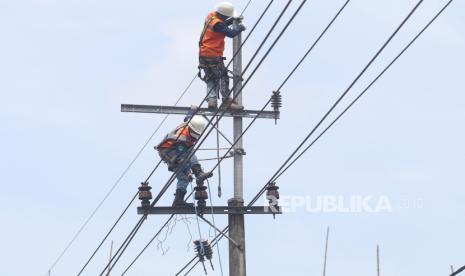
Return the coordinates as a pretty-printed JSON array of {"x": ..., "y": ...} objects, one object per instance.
[{"x": 241, "y": 27}]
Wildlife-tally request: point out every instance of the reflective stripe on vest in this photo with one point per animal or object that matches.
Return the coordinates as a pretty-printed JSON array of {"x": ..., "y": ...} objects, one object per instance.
[{"x": 211, "y": 43}]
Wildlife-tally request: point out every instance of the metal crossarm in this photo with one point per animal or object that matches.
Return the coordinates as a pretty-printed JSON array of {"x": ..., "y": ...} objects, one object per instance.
[
  {"x": 225, "y": 210},
  {"x": 180, "y": 110}
]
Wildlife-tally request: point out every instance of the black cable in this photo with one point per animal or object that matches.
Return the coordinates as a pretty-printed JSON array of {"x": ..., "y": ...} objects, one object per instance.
[
  {"x": 245, "y": 8},
  {"x": 230, "y": 62},
  {"x": 151, "y": 173},
  {"x": 458, "y": 271},
  {"x": 342, "y": 96},
  {"x": 287, "y": 78},
  {"x": 366, "y": 89},
  {"x": 390, "y": 64},
  {"x": 204, "y": 138},
  {"x": 117, "y": 182}
]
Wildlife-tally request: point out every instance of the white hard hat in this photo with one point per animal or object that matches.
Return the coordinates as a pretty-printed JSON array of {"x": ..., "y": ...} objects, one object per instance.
[
  {"x": 225, "y": 8},
  {"x": 197, "y": 125}
]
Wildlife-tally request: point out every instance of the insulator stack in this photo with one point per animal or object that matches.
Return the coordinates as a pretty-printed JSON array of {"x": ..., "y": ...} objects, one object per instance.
[
  {"x": 144, "y": 194},
  {"x": 203, "y": 249},
  {"x": 272, "y": 193},
  {"x": 201, "y": 195},
  {"x": 276, "y": 103}
]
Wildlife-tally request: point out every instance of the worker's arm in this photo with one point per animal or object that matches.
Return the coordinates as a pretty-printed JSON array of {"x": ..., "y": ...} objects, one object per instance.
[
  {"x": 190, "y": 113},
  {"x": 232, "y": 31}
]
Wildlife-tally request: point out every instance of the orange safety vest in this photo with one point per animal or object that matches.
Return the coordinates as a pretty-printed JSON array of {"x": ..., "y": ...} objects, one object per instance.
[
  {"x": 181, "y": 134},
  {"x": 211, "y": 43}
]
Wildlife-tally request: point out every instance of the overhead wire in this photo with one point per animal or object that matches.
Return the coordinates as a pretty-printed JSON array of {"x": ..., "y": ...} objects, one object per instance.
[
  {"x": 341, "y": 97},
  {"x": 345, "y": 110},
  {"x": 172, "y": 177},
  {"x": 145, "y": 145},
  {"x": 366, "y": 89},
  {"x": 117, "y": 182},
  {"x": 213, "y": 116}
]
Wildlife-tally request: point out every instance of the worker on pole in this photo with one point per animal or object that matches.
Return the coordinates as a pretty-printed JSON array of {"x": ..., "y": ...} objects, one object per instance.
[
  {"x": 176, "y": 147},
  {"x": 218, "y": 25}
]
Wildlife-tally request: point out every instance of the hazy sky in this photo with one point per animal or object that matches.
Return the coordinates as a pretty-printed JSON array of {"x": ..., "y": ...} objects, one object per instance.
[{"x": 66, "y": 66}]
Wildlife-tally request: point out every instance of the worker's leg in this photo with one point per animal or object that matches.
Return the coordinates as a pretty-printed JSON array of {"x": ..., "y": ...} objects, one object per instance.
[
  {"x": 183, "y": 181},
  {"x": 223, "y": 81},
  {"x": 183, "y": 175}
]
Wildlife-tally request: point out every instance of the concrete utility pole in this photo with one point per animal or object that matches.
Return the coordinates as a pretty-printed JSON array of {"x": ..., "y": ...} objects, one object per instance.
[
  {"x": 236, "y": 221},
  {"x": 377, "y": 261}
]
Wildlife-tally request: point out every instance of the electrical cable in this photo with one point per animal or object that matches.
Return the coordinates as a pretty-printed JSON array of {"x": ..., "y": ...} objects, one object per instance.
[
  {"x": 386, "y": 68},
  {"x": 117, "y": 182},
  {"x": 254, "y": 71},
  {"x": 214, "y": 223},
  {"x": 366, "y": 89},
  {"x": 190, "y": 84},
  {"x": 343, "y": 94}
]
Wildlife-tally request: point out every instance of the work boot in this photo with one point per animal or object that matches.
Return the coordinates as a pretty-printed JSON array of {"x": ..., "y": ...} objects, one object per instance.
[
  {"x": 200, "y": 175},
  {"x": 179, "y": 199},
  {"x": 228, "y": 103},
  {"x": 212, "y": 103}
]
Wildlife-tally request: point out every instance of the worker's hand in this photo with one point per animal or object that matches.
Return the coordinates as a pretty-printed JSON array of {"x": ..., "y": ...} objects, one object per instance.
[
  {"x": 190, "y": 177},
  {"x": 194, "y": 107},
  {"x": 239, "y": 18},
  {"x": 241, "y": 27}
]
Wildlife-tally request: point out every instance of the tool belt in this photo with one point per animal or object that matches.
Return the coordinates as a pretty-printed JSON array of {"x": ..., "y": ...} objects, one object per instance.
[
  {"x": 169, "y": 156},
  {"x": 213, "y": 67}
]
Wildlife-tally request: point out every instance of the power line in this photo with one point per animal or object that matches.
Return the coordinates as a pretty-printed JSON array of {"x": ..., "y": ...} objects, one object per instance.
[
  {"x": 272, "y": 179},
  {"x": 173, "y": 175},
  {"x": 117, "y": 182},
  {"x": 390, "y": 64},
  {"x": 368, "y": 87},
  {"x": 267, "y": 103},
  {"x": 195, "y": 76}
]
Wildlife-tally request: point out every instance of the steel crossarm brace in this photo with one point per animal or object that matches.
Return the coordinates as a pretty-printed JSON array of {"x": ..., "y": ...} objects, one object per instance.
[
  {"x": 180, "y": 110},
  {"x": 219, "y": 131},
  {"x": 225, "y": 210},
  {"x": 221, "y": 232}
]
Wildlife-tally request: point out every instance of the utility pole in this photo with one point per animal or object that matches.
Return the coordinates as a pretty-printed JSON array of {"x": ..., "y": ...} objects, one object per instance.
[
  {"x": 237, "y": 262},
  {"x": 377, "y": 260},
  {"x": 235, "y": 209}
]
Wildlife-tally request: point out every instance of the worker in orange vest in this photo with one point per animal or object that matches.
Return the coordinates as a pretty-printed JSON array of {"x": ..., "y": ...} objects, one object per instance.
[
  {"x": 176, "y": 147},
  {"x": 218, "y": 25}
]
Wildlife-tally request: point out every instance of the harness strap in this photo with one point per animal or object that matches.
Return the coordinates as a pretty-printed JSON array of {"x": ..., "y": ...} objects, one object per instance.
[{"x": 205, "y": 28}]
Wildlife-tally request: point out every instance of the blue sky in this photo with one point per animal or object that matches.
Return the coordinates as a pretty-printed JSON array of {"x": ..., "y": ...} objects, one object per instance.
[{"x": 66, "y": 66}]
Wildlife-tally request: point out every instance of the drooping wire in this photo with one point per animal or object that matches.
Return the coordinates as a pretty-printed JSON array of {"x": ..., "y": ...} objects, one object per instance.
[
  {"x": 202, "y": 249},
  {"x": 152, "y": 172},
  {"x": 386, "y": 68},
  {"x": 214, "y": 224},
  {"x": 218, "y": 157}
]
